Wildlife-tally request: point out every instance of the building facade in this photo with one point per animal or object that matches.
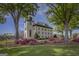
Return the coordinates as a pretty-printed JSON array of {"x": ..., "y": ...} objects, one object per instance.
[{"x": 31, "y": 28}]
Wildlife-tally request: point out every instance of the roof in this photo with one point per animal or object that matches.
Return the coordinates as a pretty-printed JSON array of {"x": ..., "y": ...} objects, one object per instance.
[{"x": 42, "y": 25}]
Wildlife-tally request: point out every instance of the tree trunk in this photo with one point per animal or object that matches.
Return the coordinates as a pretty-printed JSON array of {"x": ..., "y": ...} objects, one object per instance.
[
  {"x": 66, "y": 32},
  {"x": 17, "y": 31},
  {"x": 70, "y": 33},
  {"x": 16, "y": 23}
]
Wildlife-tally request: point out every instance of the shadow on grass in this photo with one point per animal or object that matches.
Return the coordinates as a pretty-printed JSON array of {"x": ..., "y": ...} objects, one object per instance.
[{"x": 43, "y": 50}]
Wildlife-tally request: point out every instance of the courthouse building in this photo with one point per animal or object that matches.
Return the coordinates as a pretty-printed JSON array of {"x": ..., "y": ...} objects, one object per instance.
[{"x": 32, "y": 28}]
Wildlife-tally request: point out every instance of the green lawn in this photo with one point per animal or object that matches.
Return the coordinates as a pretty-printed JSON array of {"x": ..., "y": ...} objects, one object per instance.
[
  {"x": 42, "y": 50},
  {"x": 6, "y": 41}
]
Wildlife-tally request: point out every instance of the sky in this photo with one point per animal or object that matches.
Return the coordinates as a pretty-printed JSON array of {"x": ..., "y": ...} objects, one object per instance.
[{"x": 8, "y": 26}]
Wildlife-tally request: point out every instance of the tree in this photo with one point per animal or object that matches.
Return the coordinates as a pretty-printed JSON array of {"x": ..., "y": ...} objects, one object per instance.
[
  {"x": 2, "y": 19},
  {"x": 18, "y": 10},
  {"x": 60, "y": 28},
  {"x": 36, "y": 36},
  {"x": 73, "y": 25},
  {"x": 62, "y": 14}
]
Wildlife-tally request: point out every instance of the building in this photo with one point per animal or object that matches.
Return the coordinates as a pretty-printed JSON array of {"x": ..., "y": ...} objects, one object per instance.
[{"x": 32, "y": 28}]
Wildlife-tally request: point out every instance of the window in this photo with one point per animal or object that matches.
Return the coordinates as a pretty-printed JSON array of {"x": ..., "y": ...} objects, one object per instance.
[
  {"x": 25, "y": 28},
  {"x": 45, "y": 32},
  {"x": 38, "y": 28},
  {"x": 38, "y": 32},
  {"x": 42, "y": 28},
  {"x": 30, "y": 33},
  {"x": 41, "y": 36},
  {"x": 42, "y": 32}
]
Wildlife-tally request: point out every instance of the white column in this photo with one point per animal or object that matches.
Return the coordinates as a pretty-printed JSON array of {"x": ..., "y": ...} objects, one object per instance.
[{"x": 25, "y": 27}]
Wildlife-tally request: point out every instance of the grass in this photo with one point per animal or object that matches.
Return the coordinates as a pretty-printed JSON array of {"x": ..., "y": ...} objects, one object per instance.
[
  {"x": 6, "y": 41},
  {"x": 42, "y": 50}
]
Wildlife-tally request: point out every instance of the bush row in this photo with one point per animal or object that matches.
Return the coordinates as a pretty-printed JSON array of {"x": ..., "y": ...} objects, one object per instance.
[
  {"x": 76, "y": 39},
  {"x": 47, "y": 41},
  {"x": 35, "y": 41}
]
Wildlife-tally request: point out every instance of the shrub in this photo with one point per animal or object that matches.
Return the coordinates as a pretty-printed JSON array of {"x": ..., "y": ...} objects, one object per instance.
[
  {"x": 76, "y": 40},
  {"x": 18, "y": 41},
  {"x": 27, "y": 41},
  {"x": 45, "y": 42},
  {"x": 55, "y": 40},
  {"x": 51, "y": 39},
  {"x": 32, "y": 41},
  {"x": 22, "y": 41},
  {"x": 59, "y": 41}
]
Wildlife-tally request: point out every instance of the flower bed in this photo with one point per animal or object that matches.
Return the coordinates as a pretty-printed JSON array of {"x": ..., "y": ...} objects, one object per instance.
[
  {"x": 26, "y": 41},
  {"x": 55, "y": 40},
  {"x": 35, "y": 41},
  {"x": 76, "y": 39}
]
